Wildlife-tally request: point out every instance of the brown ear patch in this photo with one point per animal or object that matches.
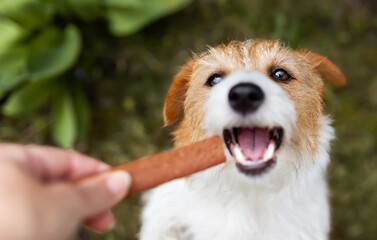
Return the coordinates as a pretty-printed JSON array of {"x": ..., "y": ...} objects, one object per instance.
[
  {"x": 177, "y": 94},
  {"x": 326, "y": 68}
]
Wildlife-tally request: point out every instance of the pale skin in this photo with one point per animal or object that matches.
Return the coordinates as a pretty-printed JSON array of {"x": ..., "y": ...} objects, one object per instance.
[{"x": 39, "y": 199}]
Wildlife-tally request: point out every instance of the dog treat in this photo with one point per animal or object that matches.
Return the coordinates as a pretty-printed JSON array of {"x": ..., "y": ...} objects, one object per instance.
[{"x": 153, "y": 170}]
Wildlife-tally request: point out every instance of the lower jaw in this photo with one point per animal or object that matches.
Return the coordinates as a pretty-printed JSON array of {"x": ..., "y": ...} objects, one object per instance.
[{"x": 257, "y": 170}]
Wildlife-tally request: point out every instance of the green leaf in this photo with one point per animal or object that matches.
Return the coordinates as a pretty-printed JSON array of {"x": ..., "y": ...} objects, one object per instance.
[
  {"x": 27, "y": 99},
  {"x": 11, "y": 6},
  {"x": 83, "y": 113},
  {"x": 54, "y": 52},
  {"x": 123, "y": 3},
  {"x": 128, "y": 21},
  {"x": 10, "y": 33},
  {"x": 31, "y": 14},
  {"x": 64, "y": 126},
  {"x": 13, "y": 65}
]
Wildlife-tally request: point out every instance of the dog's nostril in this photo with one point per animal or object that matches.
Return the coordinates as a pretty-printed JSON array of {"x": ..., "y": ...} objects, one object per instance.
[{"x": 245, "y": 97}]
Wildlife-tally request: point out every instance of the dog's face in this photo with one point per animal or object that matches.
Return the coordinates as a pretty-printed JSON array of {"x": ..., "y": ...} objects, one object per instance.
[{"x": 261, "y": 97}]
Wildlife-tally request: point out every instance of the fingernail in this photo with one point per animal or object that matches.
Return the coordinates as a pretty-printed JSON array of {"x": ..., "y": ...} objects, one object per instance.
[{"x": 118, "y": 182}]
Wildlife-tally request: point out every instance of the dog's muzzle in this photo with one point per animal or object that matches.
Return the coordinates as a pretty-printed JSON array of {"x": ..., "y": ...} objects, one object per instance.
[
  {"x": 252, "y": 147},
  {"x": 255, "y": 116}
]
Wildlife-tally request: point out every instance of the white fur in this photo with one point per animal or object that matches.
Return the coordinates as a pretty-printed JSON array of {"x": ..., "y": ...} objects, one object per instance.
[
  {"x": 289, "y": 202},
  {"x": 276, "y": 110}
]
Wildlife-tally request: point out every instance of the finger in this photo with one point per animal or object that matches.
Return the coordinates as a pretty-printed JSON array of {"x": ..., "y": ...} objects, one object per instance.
[
  {"x": 53, "y": 163},
  {"x": 71, "y": 204},
  {"x": 101, "y": 223},
  {"x": 98, "y": 194}
]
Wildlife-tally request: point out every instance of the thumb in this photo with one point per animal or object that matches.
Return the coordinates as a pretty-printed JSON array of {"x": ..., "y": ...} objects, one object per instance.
[{"x": 98, "y": 194}]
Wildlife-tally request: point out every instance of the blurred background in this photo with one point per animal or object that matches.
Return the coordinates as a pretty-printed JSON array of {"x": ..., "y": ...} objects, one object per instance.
[{"x": 93, "y": 74}]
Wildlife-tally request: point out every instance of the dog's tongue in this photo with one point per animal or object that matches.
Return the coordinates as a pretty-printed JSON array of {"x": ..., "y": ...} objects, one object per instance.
[{"x": 253, "y": 142}]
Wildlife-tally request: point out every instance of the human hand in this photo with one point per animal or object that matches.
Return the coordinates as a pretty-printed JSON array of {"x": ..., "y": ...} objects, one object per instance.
[{"x": 38, "y": 199}]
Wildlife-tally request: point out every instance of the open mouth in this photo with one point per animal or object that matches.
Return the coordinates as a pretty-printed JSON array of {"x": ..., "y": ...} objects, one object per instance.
[{"x": 253, "y": 148}]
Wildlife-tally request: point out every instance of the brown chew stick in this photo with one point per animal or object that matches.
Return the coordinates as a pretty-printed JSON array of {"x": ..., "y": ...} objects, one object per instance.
[{"x": 151, "y": 171}]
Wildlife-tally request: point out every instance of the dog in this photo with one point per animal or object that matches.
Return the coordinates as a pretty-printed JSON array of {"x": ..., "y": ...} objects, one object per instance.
[{"x": 266, "y": 102}]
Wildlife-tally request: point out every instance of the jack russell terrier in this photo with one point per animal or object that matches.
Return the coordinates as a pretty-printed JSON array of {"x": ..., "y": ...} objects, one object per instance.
[{"x": 265, "y": 101}]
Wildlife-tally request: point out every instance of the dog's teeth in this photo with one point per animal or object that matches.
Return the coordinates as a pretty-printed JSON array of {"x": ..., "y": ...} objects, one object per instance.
[
  {"x": 269, "y": 154},
  {"x": 239, "y": 155},
  {"x": 233, "y": 137}
]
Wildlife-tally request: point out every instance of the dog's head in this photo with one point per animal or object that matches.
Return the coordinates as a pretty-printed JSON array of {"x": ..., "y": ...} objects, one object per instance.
[{"x": 261, "y": 97}]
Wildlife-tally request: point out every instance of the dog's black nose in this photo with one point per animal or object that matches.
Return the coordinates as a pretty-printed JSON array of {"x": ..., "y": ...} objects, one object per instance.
[{"x": 245, "y": 97}]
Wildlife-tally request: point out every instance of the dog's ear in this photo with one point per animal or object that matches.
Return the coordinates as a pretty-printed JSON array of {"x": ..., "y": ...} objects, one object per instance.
[
  {"x": 177, "y": 94},
  {"x": 326, "y": 68}
]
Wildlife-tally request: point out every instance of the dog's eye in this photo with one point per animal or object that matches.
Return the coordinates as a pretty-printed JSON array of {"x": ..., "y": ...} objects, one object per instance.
[
  {"x": 281, "y": 75},
  {"x": 214, "y": 79}
]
